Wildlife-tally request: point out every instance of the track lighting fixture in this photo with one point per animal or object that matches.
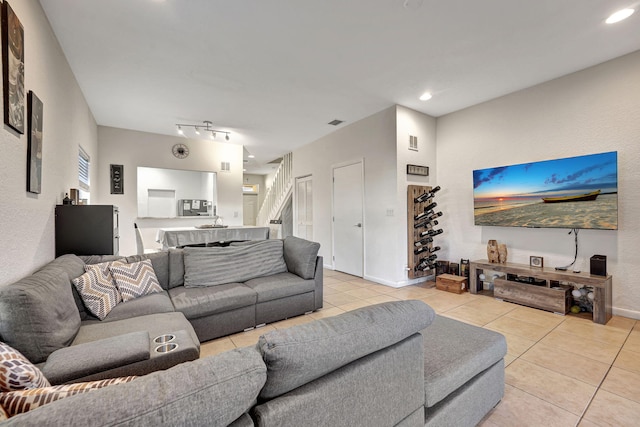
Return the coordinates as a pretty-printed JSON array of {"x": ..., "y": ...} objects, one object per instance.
[{"x": 206, "y": 127}]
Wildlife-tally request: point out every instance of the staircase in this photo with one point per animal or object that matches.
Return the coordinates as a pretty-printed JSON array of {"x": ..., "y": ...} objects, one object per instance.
[{"x": 278, "y": 193}]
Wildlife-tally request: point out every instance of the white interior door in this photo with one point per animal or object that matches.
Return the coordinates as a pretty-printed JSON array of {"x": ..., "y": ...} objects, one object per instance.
[
  {"x": 249, "y": 209},
  {"x": 348, "y": 225},
  {"x": 304, "y": 208}
]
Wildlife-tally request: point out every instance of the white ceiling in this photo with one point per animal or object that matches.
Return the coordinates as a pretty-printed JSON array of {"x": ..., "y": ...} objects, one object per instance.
[{"x": 275, "y": 72}]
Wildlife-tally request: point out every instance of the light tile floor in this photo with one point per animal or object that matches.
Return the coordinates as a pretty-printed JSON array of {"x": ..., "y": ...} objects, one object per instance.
[{"x": 560, "y": 370}]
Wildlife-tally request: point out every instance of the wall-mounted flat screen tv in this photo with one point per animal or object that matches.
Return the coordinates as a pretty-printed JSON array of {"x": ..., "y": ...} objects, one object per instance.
[{"x": 574, "y": 192}]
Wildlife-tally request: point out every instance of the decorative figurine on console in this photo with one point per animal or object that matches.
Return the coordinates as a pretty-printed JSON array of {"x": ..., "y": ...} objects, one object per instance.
[{"x": 496, "y": 253}]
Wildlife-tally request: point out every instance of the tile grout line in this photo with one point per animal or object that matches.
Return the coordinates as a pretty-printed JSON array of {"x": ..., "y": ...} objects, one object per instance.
[{"x": 604, "y": 378}]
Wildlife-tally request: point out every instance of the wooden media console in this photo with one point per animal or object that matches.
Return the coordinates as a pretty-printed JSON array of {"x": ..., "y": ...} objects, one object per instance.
[{"x": 554, "y": 296}]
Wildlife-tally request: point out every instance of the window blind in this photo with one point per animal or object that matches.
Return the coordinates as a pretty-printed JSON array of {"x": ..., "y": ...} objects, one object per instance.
[{"x": 83, "y": 169}]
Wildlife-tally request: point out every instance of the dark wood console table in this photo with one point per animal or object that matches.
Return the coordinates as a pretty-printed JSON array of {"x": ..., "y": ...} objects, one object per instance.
[{"x": 601, "y": 284}]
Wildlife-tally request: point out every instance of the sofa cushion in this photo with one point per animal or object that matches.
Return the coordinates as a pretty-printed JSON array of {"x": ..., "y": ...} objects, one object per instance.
[
  {"x": 73, "y": 265},
  {"x": 220, "y": 265},
  {"x": 212, "y": 391},
  {"x": 297, "y": 355},
  {"x": 38, "y": 314},
  {"x": 16, "y": 372},
  {"x": 200, "y": 302},
  {"x": 279, "y": 286},
  {"x": 136, "y": 279},
  {"x": 300, "y": 256},
  {"x": 160, "y": 262},
  {"x": 19, "y": 402},
  {"x": 78, "y": 361},
  {"x": 147, "y": 304},
  {"x": 176, "y": 267},
  {"x": 455, "y": 352}
]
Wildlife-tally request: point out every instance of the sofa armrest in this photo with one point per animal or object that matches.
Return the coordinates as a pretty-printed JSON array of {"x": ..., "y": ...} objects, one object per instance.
[{"x": 77, "y": 361}]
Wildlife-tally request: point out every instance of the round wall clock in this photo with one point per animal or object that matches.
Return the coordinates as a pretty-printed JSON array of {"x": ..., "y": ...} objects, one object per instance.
[{"x": 181, "y": 151}]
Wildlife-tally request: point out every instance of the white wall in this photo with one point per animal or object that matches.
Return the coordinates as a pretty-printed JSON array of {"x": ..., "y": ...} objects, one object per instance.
[
  {"x": 26, "y": 219},
  {"x": 133, "y": 149},
  {"x": 374, "y": 140},
  {"x": 591, "y": 111},
  {"x": 411, "y": 122}
]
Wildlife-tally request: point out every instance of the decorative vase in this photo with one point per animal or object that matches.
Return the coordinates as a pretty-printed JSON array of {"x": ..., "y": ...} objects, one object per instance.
[
  {"x": 502, "y": 253},
  {"x": 492, "y": 251}
]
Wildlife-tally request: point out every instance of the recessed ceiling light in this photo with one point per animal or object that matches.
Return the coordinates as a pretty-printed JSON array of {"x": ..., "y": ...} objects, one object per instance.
[
  {"x": 251, "y": 156},
  {"x": 619, "y": 16},
  {"x": 426, "y": 96}
]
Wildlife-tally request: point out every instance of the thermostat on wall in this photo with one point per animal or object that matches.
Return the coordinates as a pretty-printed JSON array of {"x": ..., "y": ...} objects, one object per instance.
[{"x": 417, "y": 170}]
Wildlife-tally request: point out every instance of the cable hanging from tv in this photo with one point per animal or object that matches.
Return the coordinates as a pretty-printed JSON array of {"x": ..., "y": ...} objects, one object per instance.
[{"x": 575, "y": 257}]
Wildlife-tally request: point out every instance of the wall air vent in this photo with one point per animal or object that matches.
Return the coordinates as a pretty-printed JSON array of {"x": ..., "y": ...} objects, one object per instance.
[
  {"x": 335, "y": 122},
  {"x": 413, "y": 143},
  {"x": 225, "y": 166}
]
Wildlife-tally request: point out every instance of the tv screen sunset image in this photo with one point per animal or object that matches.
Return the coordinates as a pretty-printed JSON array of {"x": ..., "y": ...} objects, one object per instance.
[{"x": 575, "y": 192}]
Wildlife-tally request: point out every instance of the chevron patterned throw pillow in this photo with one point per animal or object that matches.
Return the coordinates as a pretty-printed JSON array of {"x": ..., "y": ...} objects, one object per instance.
[
  {"x": 17, "y": 372},
  {"x": 136, "y": 279},
  {"x": 97, "y": 289},
  {"x": 18, "y": 402}
]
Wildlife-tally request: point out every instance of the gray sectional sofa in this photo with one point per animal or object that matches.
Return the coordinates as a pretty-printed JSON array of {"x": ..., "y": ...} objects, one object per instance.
[
  {"x": 392, "y": 364},
  {"x": 206, "y": 293}
]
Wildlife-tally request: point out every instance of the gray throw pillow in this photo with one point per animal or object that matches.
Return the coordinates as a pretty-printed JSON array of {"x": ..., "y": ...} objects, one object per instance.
[
  {"x": 300, "y": 256},
  {"x": 221, "y": 265}
]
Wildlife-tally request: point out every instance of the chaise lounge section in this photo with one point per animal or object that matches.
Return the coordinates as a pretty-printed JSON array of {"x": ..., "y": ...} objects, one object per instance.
[{"x": 392, "y": 364}]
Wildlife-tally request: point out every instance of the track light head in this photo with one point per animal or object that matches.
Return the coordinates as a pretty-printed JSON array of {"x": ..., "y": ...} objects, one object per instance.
[{"x": 206, "y": 127}]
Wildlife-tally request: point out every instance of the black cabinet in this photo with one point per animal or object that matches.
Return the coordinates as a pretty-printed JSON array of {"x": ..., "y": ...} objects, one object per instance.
[{"x": 87, "y": 230}]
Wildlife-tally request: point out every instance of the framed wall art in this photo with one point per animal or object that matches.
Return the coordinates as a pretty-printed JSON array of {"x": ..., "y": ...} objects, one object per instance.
[
  {"x": 13, "y": 69},
  {"x": 34, "y": 149},
  {"x": 117, "y": 179}
]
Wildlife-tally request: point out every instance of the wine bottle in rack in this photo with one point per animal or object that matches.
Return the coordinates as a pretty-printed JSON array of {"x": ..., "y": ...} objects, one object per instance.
[
  {"x": 421, "y": 249},
  {"x": 424, "y": 262},
  {"x": 427, "y": 211},
  {"x": 423, "y": 242},
  {"x": 429, "y": 225},
  {"x": 426, "y": 196},
  {"x": 430, "y": 217},
  {"x": 431, "y": 232}
]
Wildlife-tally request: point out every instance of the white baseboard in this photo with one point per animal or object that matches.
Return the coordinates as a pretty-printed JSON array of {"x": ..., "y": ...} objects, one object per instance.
[
  {"x": 632, "y": 314},
  {"x": 400, "y": 284}
]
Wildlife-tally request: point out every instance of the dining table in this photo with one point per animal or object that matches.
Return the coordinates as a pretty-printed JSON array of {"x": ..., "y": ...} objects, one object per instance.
[{"x": 183, "y": 236}]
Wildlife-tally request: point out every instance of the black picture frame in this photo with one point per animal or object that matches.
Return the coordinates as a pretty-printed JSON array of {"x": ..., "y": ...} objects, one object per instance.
[
  {"x": 117, "y": 179},
  {"x": 34, "y": 143},
  {"x": 536, "y": 261},
  {"x": 13, "y": 69}
]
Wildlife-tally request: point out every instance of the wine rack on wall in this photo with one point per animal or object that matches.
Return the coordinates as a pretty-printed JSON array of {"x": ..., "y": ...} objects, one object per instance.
[{"x": 422, "y": 228}]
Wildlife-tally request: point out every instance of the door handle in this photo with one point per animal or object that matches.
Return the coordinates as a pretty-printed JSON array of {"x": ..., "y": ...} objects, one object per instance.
[{"x": 359, "y": 225}]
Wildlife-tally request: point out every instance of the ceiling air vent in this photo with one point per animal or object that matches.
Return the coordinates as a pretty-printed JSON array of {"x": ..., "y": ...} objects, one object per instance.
[
  {"x": 336, "y": 122},
  {"x": 225, "y": 166},
  {"x": 413, "y": 143}
]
